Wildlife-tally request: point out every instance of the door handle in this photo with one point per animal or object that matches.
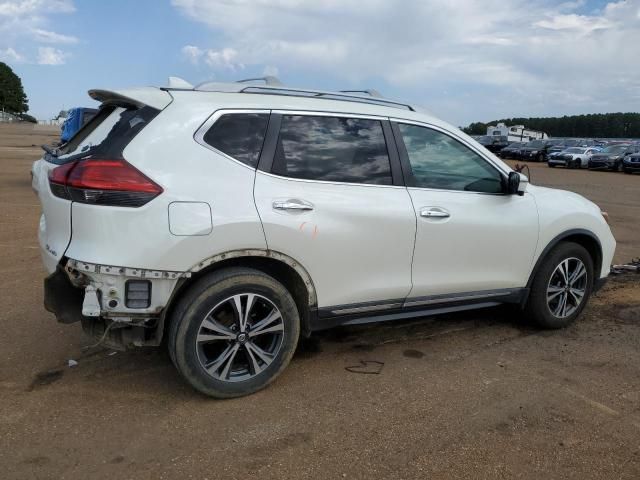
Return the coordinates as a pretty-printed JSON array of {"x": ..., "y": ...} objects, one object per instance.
[
  {"x": 434, "y": 212},
  {"x": 297, "y": 205}
]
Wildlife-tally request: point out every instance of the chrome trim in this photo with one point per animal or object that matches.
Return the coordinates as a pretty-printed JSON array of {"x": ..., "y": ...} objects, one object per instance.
[
  {"x": 369, "y": 308},
  {"x": 457, "y": 298},
  {"x": 326, "y": 113},
  {"x": 434, "y": 212},
  {"x": 292, "y": 205},
  {"x": 198, "y": 136},
  {"x": 326, "y": 182}
]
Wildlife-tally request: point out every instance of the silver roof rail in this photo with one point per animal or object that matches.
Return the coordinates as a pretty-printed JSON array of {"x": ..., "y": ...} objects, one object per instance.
[
  {"x": 374, "y": 97},
  {"x": 370, "y": 91},
  {"x": 268, "y": 80}
]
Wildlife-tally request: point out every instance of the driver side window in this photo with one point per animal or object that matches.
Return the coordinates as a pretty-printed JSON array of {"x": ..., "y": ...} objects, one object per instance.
[{"x": 441, "y": 162}]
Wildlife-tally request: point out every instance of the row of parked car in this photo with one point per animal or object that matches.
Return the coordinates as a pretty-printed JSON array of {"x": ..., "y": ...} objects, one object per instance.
[{"x": 577, "y": 153}]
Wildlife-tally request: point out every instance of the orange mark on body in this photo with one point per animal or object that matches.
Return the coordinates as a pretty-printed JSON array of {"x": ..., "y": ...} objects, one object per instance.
[{"x": 315, "y": 232}]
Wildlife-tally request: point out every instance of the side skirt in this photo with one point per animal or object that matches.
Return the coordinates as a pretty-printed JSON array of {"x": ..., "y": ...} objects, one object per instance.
[{"x": 390, "y": 310}]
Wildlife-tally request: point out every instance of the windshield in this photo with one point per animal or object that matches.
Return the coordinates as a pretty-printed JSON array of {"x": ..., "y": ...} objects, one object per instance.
[
  {"x": 574, "y": 150},
  {"x": 536, "y": 144},
  {"x": 615, "y": 149}
]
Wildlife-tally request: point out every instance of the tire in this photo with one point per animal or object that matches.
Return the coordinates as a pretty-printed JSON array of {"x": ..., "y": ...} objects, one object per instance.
[
  {"x": 539, "y": 158},
  {"x": 620, "y": 167},
  {"x": 212, "y": 349},
  {"x": 628, "y": 171},
  {"x": 548, "y": 289},
  {"x": 551, "y": 165}
]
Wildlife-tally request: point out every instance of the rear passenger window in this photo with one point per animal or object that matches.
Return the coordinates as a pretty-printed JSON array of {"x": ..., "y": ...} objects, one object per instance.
[
  {"x": 332, "y": 149},
  {"x": 239, "y": 135}
]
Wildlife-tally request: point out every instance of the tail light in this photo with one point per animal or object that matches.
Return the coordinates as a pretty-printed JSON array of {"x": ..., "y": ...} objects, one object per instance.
[{"x": 103, "y": 182}]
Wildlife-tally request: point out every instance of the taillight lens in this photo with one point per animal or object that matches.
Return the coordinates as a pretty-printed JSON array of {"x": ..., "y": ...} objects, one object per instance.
[{"x": 103, "y": 182}]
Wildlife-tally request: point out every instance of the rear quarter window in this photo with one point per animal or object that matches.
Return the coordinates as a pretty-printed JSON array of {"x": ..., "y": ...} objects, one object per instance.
[{"x": 239, "y": 135}]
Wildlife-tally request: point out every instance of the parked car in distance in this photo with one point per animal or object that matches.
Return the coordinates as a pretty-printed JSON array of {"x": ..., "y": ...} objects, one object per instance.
[
  {"x": 228, "y": 220},
  {"x": 573, "y": 157},
  {"x": 511, "y": 151},
  {"x": 611, "y": 157},
  {"x": 536, "y": 150},
  {"x": 631, "y": 163},
  {"x": 493, "y": 143}
]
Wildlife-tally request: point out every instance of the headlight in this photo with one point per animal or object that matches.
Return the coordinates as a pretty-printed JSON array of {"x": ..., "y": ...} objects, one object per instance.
[{"x": 534, "y": 152}]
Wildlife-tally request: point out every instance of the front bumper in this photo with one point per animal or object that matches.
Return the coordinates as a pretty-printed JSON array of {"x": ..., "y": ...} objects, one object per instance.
[
  {"x": 631, "y": 166},
  {"x": 601, "y": 164}
]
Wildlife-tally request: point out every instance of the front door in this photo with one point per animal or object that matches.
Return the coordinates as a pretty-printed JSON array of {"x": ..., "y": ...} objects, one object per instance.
[{"x": 471, "y": 237}]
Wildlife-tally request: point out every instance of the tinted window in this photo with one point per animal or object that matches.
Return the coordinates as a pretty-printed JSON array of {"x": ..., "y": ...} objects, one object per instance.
[
  {"x": 332, "y": 149},
  {"x": 439, "y": 161},
  {"x": 239, "y": 135}
]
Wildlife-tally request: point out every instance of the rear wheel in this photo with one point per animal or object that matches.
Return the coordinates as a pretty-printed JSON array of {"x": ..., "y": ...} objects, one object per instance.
[
  {"x": 539, "y": 157},
  {"x": 234, "y": 332},
  {"x": 561, "y": 287}
]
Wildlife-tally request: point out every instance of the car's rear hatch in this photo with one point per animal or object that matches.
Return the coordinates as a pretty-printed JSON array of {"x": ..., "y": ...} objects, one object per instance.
[{"x": 122, "y": 115}]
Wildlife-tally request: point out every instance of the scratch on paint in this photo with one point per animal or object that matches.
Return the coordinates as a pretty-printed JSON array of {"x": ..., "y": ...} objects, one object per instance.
[
  {"x": 302, "y": 226},
  {"x": 315, "y": 232}
]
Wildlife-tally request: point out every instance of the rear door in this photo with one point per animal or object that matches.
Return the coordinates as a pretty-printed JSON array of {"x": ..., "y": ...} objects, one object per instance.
[
  {"x": 329, "y": 193},
  {"x": 471, "y": 237}
]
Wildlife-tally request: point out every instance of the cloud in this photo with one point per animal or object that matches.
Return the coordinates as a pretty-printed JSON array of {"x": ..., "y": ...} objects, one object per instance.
[
  {"x": 45, "y": 36},
  {"x": 10, "y": 55},
  {"x": 475, "y": 60},
  {"x": 192, "y": 53},
  {"x": 216, "y": 59},
  {"x": 51, "y": 56},
  {"x": 24, "y": 24}
]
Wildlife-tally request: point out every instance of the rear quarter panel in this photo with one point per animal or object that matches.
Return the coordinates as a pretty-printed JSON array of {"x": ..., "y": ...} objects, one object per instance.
[{"x": 166, "y": 152}]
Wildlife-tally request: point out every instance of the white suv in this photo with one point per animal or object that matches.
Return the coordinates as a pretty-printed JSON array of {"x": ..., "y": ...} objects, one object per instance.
[{"x": 227, "y": 220}]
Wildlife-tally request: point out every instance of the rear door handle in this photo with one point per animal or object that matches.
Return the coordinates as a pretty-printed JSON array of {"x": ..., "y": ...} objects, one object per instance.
[
  {"x": 293, "y": 204},
  {"x": 434, "y": 212}
]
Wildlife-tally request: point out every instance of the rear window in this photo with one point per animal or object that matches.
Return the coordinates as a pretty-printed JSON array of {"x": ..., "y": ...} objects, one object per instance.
[
  {"x": 107, "y": 134},
  {"x": 332, "y": 149},
  {"x": 239, "y": 135}
]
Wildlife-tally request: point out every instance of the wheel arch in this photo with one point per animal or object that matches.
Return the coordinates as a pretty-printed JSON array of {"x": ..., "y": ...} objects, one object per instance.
[
  {"x": 280, "y": 266},
  {"x": 583, "y": 237}
]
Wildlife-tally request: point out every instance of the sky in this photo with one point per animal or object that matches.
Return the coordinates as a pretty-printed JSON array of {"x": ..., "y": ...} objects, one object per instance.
[{"x": 464, "y": 60}]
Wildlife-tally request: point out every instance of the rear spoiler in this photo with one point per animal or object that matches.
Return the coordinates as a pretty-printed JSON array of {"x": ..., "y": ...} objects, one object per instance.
[{"x": 138, "y": 97}]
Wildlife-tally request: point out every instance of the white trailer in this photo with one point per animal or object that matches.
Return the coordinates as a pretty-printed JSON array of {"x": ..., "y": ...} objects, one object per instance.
[{"x": 516, "y": 133}]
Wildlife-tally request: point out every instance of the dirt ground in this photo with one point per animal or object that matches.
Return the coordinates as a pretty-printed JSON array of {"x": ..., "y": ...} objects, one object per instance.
[{"x": 476, "y": 395}]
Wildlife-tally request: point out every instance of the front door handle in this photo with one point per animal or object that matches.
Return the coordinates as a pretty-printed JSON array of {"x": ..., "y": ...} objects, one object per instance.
[
  {"x": 293, "y": 204},
  {"x": 434, "y": 212}
]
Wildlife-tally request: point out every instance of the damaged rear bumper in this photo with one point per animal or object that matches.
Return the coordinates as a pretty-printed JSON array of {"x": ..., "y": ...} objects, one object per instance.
[
  {"x": 106, "y": 301},
  {"x": 62, "y": 298}
]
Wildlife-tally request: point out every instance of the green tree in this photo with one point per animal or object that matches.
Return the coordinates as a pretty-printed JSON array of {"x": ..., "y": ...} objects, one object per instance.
[
  {"x": 595, "y": 125},
  {"x": 12, "y": 96}
]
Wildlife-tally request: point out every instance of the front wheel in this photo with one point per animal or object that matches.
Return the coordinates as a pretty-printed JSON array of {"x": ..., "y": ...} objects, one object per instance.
[
  {"x": 234, "y": 332},
  {"x": 561, "y": 287}
]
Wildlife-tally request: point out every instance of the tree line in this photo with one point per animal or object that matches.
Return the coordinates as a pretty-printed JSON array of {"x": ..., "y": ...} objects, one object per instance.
[
  {"x": 594, "y": 125},
  {"x": 12, "y": 97}
]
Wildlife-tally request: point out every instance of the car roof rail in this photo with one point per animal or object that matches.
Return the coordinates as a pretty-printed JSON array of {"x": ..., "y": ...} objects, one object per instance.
[
  {"x": 370, "y": 91},
  {"x": 268, "y": 80},
  {"x": 347, "y": 97},
  {"x": 273, "y": 86}
]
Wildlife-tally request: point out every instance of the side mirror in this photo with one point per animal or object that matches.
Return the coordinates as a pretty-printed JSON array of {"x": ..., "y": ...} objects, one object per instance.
[{"x": 516, "y": 183}]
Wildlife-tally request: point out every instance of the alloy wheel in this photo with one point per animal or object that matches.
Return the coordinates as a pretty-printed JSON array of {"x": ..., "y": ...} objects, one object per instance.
[
  {"x": 240, "y": 337},
  {"x": 567, "y": 287}
]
